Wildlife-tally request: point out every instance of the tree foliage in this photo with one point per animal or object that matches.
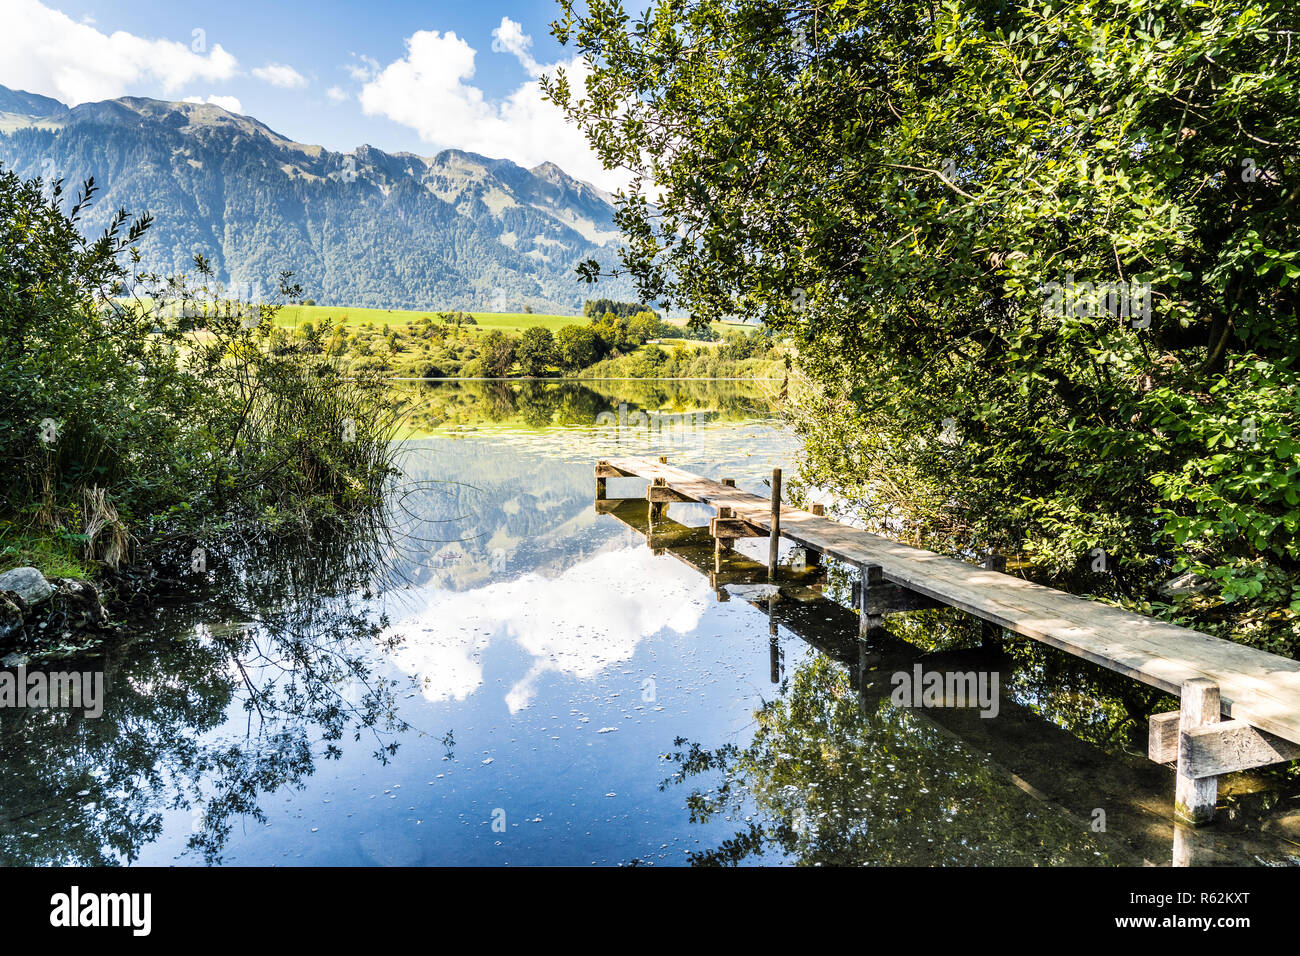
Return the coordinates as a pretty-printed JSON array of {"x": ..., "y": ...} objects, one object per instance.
[
  {"x": 136, "y": 408},
  {"x": 536, "y": 350}
]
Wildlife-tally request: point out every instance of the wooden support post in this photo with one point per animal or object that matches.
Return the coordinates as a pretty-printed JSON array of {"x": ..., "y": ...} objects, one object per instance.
[
  {"x": 721, "y": 544},
  {"x": 869, "y": 659},
  {"x": 872, "y": 578},
  {"x": 813, "y": 557},
  {"x": 600, "y": 489},
  {"x": 774, "y": 539},
  {"x": 656, "y": 507},
  {"x": 990, "y": 633},
  {"x": 1194, "y": 798},
  {"x": 1193, "y": 847}
]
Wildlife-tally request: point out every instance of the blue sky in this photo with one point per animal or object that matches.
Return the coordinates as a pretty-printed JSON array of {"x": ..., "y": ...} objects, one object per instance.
[{"x": 398, "y": 74}]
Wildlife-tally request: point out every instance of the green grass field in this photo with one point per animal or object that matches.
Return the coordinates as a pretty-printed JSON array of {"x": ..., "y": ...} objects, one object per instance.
[
  {"x": 294, "y": 315},
  {"x": 513, "y": 321}
]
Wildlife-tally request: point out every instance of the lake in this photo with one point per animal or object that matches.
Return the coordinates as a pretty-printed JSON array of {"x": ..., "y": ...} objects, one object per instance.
[{"x": 497, "y": 674}]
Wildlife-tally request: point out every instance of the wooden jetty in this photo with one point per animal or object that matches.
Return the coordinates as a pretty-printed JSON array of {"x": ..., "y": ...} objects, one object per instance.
[
  {"x": 1066, "y": 774},
  {"x": 1240, "y": 707}
]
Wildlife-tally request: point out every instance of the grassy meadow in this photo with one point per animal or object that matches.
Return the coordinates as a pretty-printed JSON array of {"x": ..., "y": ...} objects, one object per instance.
[{"x": 294, "y": 315}]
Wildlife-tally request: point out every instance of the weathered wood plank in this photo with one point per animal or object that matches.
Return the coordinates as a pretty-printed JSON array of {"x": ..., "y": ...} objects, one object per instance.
[{"x": 1230, "y": 746}]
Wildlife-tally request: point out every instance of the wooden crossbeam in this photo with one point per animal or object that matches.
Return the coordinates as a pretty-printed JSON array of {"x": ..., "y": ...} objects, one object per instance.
[
  {"x": 1162, "y": 737},
  {"x": 605, "y": 470},
  {"x": 887, "y": 598},
  {"x": 664, "y": 493},
  {"x": 1228, "y": 746},
  {"x": 735, "y": 528}
]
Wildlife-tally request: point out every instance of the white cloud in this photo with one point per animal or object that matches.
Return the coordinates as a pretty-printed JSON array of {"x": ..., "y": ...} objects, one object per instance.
[
  {"x": 230, "y": 103},
  {"x": 45, "y": 51},
  {"x": 278, "y": 74},
  {"x": 336, "y": 94},
  {"x": 510, "y": 37},
  {"x": 428, "y": 90},
  {"x": 365, "y": 67}
]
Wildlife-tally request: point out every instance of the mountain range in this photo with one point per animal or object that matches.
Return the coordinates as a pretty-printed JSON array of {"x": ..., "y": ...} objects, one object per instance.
[{"x": 366, "y": 228}]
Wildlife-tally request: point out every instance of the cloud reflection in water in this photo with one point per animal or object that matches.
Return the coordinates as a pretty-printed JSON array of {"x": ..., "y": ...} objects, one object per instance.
[{"x": 591, "y": 616}]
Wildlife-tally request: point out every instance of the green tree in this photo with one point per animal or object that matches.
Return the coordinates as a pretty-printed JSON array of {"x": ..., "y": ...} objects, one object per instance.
[
  {"x": 536, "y": 350},
  {"x": 497, "y": 353},
  {"x": 576, "y": 347},
  {"x": 644, "y": 326}
]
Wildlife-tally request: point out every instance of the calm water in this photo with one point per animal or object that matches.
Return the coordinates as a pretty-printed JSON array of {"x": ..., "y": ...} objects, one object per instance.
[{"x": 503, "y": 676}]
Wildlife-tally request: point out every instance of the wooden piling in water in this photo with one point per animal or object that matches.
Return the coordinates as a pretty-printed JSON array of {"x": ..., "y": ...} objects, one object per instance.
[
  {"x": 721, "y": 544},
  {"x": 774, "y": 536},
  {"x": 869, "y": 587},
  {"x": 1194, "y": 798},
  {"x": 989, "y": 633},
  {"x": 811, "y": 556}
]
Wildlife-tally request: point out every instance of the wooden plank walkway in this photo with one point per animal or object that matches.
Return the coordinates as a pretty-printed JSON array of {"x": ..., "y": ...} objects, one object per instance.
[
  {"x": 1037, "y": 756},
  {"x": 1259, "y": 689}
]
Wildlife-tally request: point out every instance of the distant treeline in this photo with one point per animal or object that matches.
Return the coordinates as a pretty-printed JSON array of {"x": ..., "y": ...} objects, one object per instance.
[
  {"x": 452, "y": 348},
  {"x": 595, "y": 308}
]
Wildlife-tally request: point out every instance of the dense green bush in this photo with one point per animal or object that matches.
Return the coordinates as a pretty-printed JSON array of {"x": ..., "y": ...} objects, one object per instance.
[{"x": 136, "y": 409}]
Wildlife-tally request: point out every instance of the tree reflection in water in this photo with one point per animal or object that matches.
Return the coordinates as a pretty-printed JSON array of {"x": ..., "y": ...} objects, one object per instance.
[
  {"x": 835, "y": 782},
  {"x": 280, "y": 626}
]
